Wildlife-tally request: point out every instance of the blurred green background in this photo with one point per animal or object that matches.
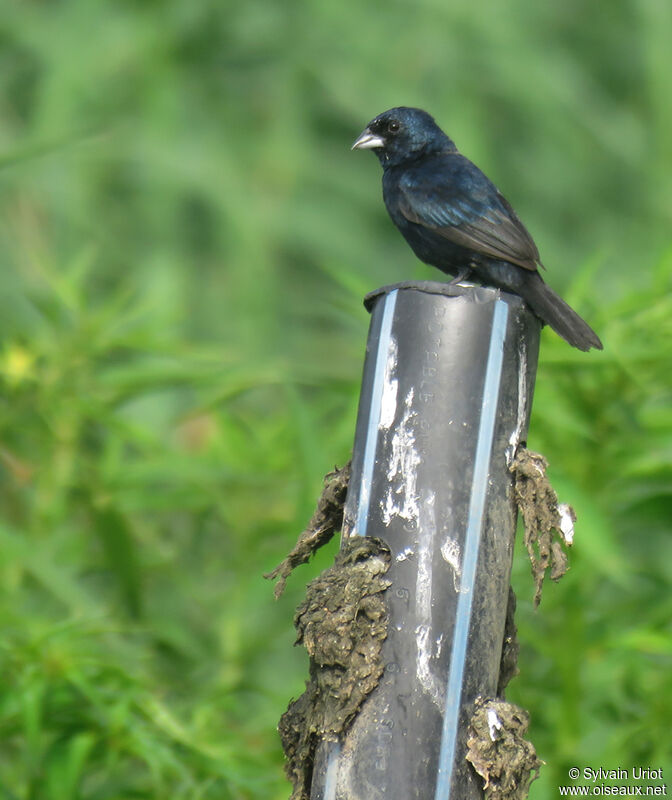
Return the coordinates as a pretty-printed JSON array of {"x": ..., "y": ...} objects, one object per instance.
[{"x": 185, "y": 240}]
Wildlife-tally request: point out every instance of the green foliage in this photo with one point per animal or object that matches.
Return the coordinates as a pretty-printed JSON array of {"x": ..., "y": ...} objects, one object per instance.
[{"x": 185, "y": 240}]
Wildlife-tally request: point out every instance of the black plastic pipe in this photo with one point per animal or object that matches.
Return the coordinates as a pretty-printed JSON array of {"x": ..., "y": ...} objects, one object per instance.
[{"x": 445, "y": 401}]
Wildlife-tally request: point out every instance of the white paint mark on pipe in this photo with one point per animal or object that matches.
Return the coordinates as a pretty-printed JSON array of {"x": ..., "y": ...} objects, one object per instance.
[
  {"x": 426, "y": 532},
  {"x": 388, "y": 403},
  {"x": 423, "y": 602},
  {"x": 514, "y": 439},
  {"x": 566, "y": 522},
  {"x": 401, "y": 499},
  {"x": 450, "y": 550},
  {"x": 494, "y": 724},
  {"x": 426, "y": 677},
  {"x": 407, "y": 552}
]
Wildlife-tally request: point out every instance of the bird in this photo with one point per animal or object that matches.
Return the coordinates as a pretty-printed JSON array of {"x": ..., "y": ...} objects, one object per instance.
[{"x": 456, "y": 219}]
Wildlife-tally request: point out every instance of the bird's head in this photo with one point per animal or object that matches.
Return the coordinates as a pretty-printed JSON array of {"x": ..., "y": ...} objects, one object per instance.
[{"x": 403, "y": 134}]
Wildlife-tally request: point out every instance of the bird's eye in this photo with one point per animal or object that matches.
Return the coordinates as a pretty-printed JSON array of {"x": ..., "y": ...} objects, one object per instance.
[{"x": 393, "y": 126}]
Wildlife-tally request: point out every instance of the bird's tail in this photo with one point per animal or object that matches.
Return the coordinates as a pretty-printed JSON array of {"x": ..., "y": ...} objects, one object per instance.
[{"x": 564, "y": 320}]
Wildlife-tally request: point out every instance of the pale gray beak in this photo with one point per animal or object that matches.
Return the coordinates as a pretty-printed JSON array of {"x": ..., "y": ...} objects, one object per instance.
[{"x": 368, "y": 141}]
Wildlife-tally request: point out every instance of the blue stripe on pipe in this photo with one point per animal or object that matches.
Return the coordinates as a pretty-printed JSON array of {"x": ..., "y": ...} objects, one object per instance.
[
  {"x": 332, "y": 770},
  {"x": 374, "y": 415},
  {"x": 364, "y": 498},
  {"x": 479, "y": 488}
]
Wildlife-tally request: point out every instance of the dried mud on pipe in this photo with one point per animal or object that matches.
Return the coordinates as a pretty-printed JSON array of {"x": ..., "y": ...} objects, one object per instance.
[
  {"x": 327, "y": 519},
  {"x": 549, "y": 525},
  {"x": 342, "y": 623},
  {"x": 498, "y": 751}
]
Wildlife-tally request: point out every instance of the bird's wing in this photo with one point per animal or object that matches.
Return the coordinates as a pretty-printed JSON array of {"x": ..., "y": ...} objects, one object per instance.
[{"x": 452, "y": 197}]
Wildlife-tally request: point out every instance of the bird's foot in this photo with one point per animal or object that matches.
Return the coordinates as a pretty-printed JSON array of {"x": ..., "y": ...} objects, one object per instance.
[{"x": 463, "y": 274}]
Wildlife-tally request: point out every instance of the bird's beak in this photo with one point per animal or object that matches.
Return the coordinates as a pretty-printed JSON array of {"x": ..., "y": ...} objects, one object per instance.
[{"x": 368, "y": 141}]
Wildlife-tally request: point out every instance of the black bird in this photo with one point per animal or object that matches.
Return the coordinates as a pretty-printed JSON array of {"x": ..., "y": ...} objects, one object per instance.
[{"x": 455, "y": 218}]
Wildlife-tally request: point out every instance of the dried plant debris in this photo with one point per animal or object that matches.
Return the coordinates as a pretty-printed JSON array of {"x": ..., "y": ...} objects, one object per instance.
[
  {"x": 549, "y": 525},
  {"x": 508, "y": 665},
  {"x": 498, "y": 751},
  {"x": 327, "y": 519},
  {"x": 342, "y": 623}
]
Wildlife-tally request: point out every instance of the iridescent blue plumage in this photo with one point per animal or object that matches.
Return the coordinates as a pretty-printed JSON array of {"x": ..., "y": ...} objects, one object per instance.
[{"x": 455, "y": 218}]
